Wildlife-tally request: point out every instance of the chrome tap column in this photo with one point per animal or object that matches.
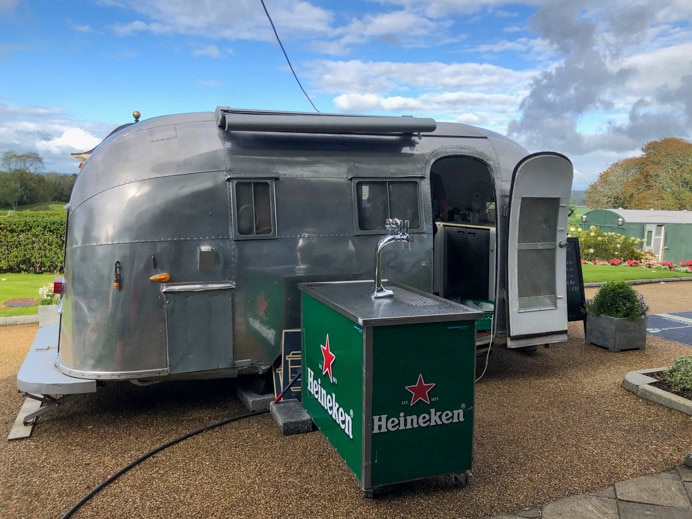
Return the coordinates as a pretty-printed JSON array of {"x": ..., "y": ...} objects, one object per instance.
[{"x": 397, "y": 230}]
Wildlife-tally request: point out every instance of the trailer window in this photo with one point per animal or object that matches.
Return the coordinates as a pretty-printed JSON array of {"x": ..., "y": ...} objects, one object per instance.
[
  {"x": 253, "y": 209},
  {"x": 379, "y": 200}
]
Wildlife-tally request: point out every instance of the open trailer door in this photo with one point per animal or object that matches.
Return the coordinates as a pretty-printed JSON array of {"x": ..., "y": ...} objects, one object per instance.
[{"x": 539, "y": 204}]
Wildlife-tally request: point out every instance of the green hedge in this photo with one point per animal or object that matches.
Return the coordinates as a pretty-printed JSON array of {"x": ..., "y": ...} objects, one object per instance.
[{"x": 32, "y": 242}]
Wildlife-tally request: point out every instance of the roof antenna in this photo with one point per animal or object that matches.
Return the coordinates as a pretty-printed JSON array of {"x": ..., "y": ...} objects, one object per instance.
[{"x": 136, "y": 115}]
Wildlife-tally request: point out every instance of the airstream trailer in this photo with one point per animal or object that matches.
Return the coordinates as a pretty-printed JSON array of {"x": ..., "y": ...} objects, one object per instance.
[{"x": 188, "y": 234}]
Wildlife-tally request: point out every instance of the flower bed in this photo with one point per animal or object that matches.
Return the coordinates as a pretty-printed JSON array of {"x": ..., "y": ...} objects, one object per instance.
[
  {"x": 598, "y": 247},
  {"x": 685, "y": 266}
]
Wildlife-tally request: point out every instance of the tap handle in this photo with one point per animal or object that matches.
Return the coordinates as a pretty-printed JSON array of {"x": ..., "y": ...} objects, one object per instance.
[
  {"x": 391, "y": 225},
  {"x": 396, "y": 226}
]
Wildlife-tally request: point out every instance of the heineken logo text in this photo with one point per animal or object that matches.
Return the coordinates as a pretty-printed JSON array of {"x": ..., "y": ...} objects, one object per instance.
[
  {"x": 431, "y": 418},
  {"x": 328, "y": 401}
]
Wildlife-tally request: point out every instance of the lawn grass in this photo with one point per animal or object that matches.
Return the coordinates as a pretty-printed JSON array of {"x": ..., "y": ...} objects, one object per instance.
[
  {"x": 53, "y": 207},
  {"x": 20, "y": 286},
  {"x": 602, "y": 273}
]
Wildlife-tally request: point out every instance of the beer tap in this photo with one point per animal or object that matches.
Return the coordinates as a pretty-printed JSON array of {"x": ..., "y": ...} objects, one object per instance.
[{"x": 397, "y": 230}]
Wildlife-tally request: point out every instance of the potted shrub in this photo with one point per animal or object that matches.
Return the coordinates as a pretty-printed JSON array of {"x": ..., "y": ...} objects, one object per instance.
[{"x": 616, "y": 317}]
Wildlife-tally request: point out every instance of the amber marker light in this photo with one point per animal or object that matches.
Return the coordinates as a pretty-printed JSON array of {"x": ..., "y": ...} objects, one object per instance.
[
  {"x": 116, "y": 276},
  {"x": 160, "y": 278}
]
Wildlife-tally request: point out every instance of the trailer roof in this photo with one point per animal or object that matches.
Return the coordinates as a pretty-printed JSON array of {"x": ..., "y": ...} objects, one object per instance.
[{"x": 651, "y": 216}]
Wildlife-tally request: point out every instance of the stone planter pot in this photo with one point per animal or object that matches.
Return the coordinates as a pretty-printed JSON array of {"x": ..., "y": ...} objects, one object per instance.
[
  {"x": 615, "y": 334},
  {"x": 48, "y": 314}
]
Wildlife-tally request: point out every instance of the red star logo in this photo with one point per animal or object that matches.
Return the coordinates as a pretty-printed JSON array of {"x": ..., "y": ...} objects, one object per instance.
[
  {"x": 420, "y": 390},
  {"x": 261, "y": 305},
  {"x": 327, "y": 359}
]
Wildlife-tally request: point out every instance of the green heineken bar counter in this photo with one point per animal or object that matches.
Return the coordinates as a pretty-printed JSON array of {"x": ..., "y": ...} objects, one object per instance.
[{"x": 390, "y": 381}]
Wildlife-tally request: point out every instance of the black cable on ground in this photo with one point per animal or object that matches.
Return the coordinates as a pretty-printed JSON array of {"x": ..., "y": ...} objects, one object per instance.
[{"x": 149, "y": 454}]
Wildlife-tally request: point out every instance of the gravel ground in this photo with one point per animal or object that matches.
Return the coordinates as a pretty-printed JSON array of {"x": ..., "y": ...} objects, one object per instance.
[{"x": 548, "y": 424}]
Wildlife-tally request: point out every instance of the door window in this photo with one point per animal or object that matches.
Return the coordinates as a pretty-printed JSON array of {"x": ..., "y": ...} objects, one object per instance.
[
  {"x": 536, "y": 252},
  {"x": 649, "y": 238}
]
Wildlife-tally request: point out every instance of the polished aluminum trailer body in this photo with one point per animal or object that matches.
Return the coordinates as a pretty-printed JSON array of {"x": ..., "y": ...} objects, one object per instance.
[{"x": 188, "y": 234}]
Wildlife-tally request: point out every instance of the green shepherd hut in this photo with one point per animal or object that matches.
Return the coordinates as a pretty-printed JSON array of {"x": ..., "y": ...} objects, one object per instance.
[{"x": 668, "y": 234}]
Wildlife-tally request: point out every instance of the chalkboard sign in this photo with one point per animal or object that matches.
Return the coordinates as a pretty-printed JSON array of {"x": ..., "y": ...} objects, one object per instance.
[{"x": 575, "y": 282}]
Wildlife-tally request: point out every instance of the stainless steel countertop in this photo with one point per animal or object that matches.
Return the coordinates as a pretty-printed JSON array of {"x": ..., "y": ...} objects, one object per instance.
[{"x": 353, "y": 299}]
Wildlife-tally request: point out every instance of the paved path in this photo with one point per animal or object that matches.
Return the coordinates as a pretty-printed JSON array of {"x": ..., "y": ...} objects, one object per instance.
[
  {"x": 661, "y": 496},
  {"x": 673, "y": 326},
  {"x": 19, "y": 319}
]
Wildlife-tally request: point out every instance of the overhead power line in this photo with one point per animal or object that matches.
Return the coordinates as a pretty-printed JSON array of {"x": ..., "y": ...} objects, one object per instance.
[{"x": 287, "y": 59}]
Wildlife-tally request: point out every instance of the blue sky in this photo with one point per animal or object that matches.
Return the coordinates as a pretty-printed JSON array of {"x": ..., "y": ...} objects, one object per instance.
[{"x": 595, "y": 83}]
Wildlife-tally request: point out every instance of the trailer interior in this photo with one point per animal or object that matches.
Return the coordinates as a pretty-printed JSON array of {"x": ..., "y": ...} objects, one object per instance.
[{"x": 464, "y": 242}]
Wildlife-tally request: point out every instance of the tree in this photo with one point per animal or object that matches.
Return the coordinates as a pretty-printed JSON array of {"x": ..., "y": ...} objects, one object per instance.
[
  {"x": 60, "y": 186},
  {"x": 667, "y": 168},
  {"x": 608, "y": 191},
  {"x": 30, "y": 162},
  {"x": 24, "y": 168},
  {"x": 35, "y": 188},
  {"x": 659, "y": 179},
  {"x": 10, "y": 190}
]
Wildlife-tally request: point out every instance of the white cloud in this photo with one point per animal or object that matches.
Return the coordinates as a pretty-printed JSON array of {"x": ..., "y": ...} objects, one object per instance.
[
  {"x": 535, "y": 49},
  {"x": 80, "y": 27},
  {"x": 492, "y": 111},
  {"x": 212, "y": 51},
  {"x": 71, "y": 140},
  {"x": 362, "y": 77},
  {"x": 665, "y": 66},
  {"x": 613, "y": 68},
  {"x": 140, "y": 26},
  {"x": 236, "y": 20},
  {"x": 298, "y": 20},
  {"x": 399, "y": 28},
  {"x": 443, "y": 8},
  {"x": 46, "y": 131},
  {"x": 472, "y": 119}
]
